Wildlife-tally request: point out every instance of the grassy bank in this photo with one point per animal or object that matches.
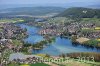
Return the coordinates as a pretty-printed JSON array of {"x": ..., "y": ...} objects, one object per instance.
[{"x": 93, "y": 42}]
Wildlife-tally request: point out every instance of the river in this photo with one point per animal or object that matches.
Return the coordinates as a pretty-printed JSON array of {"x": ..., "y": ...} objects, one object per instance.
[{"x": 61, "y": 45}]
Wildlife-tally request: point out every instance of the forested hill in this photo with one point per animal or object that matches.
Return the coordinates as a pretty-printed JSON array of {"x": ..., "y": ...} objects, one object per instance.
[
  {"x": 31, "y": 10},
  {"x": 80, "y": 12}
]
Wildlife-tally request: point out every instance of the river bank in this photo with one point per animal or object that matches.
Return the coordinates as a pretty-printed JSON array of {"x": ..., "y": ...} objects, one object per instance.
[{"x": 61, "y": 45}]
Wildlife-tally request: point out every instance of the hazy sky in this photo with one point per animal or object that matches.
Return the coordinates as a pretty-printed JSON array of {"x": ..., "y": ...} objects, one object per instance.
[{"x": 44, "y": 1}]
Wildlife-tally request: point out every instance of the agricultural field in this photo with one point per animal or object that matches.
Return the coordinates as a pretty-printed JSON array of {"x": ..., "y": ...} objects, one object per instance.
[{"x": 12, "y": 20}]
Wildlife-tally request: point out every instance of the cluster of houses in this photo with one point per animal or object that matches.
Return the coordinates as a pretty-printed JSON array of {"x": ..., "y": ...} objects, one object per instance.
[
  {"x": 10, "y": 30},
  {"x": 76, "y": 28},
  {"x": 6, "y": 36},
  {"x": 50, "y": 32}
]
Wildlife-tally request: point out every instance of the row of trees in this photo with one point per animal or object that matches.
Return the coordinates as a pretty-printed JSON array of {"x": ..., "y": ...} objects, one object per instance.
[{"x": 83, "y": 56}]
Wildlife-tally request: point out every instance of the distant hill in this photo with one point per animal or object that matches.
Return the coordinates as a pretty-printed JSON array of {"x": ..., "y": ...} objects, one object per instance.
[
  {"x": 31, "y": 10},
  {"x": 80, "y": 12},
  {"x": 96, "y": 6}
]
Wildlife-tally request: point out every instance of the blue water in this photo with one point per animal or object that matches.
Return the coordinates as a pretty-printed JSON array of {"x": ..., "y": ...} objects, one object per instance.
[
  {"x": 33, "y": 34},
  {"x": 61, "y": 45}
]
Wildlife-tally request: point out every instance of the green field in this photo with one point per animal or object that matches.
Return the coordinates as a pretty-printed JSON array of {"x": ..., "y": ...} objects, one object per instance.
[
  {"x": 37, "y": 64},
  {"x": 13, "y": 20}
]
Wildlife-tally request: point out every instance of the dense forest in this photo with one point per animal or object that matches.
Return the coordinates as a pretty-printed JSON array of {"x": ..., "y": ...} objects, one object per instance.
[{"x": 80, "y": 12}]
